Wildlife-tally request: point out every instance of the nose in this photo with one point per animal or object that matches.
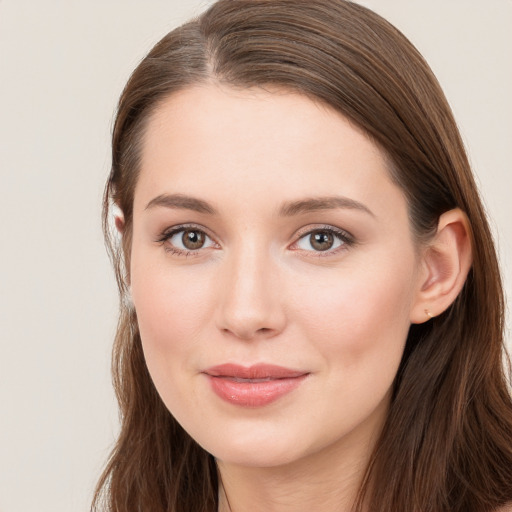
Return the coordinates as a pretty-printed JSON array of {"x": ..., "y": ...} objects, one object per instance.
[{"x": 250, "y": 301}]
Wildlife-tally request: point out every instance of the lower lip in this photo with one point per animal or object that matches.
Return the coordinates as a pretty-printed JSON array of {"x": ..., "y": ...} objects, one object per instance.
[{"x": 253, "y": 394}]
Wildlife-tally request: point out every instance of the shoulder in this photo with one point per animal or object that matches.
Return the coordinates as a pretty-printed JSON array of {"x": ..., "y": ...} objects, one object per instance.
[{"x": 505, "y": 508}]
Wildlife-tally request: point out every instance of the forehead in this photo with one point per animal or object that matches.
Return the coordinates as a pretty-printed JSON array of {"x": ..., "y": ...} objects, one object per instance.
[
  {"x": 218, "y": 141},
  {"x": 258, "y": 116}
]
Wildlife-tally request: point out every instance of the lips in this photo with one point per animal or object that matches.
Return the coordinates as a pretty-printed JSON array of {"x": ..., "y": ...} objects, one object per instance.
[{"x": 254, "y": 386}]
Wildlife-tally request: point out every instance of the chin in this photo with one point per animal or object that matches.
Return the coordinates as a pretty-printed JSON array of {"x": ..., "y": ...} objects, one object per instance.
[
  {"x": 256, "y": 456},
  {"x": 253, "y": 447}
]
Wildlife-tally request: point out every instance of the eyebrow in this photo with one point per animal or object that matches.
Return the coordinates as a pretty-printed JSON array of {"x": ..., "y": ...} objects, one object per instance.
[
  {"x": 315, "y": 204},
  {"x": 180, "y": 201},
  {"x": 288, "y": 209}
]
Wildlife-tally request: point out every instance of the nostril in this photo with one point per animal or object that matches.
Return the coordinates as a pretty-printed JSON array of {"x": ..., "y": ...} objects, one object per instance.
[{"x": 250, "y": 334}]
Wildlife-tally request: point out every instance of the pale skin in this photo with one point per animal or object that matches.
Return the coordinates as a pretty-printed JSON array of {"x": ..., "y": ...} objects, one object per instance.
[{"x": 254, "y": 176}]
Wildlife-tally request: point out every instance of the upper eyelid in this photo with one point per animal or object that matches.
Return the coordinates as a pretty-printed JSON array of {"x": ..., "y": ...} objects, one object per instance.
[
  {"x": 323, "y": 227},
  {"x": 168, "y": 232}
]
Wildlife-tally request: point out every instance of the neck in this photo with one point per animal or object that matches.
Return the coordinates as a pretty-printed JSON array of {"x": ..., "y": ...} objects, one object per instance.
[{"x": 327, "y": 481}]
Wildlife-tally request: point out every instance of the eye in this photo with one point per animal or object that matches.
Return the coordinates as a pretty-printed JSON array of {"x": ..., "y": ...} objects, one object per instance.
[
  {"x": 325, "y": 239},
  {"x": 183, "y": 240},
  {"x": 191, "y": 239}
]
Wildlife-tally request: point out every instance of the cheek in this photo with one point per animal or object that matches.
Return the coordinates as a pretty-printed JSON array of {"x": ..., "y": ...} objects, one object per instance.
[
  {"x": 359, "y": 312},
  {"x": 173, "y": 307},
  {"x": 358, "y": 324},
  {"x": 170, "y": 312}
]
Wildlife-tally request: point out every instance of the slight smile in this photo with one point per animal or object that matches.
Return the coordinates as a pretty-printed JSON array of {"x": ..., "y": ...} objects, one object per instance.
[{"x": 254, "y": 386}]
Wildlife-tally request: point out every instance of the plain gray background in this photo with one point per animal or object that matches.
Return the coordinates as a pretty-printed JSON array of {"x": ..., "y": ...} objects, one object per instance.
[{"x": 63, "y": 64}]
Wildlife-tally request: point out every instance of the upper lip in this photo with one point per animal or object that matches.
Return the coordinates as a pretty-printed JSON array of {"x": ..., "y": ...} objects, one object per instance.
[{"x": 257, "y": 371}]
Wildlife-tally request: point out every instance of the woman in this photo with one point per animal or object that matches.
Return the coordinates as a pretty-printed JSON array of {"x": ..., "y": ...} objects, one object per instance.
[{"x": 312, "y": 314}]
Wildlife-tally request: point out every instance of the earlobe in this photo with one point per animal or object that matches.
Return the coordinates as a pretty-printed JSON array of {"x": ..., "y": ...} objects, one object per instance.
[{"x": 446, "y": 262}]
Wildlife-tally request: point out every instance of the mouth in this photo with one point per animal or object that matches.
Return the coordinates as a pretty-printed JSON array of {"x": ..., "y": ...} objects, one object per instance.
[{"x": 254, "y": 386}]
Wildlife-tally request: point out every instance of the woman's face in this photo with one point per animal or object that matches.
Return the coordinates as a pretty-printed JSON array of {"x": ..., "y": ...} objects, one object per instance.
[{"x": 273, "y": 272}]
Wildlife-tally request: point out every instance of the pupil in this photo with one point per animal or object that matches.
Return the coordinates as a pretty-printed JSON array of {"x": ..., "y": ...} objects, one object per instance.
[
  {"x": 193, "y": 239},
  {"x": 322, "y": 240}
]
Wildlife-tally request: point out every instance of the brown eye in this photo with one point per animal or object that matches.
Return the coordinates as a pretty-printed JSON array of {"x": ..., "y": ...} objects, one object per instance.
[
  {"x": 325, "y": 240},
  {"x": 321, "y": 240},
  {"x": 193, "y": 239},
  {"x": 186, "y": 241}
]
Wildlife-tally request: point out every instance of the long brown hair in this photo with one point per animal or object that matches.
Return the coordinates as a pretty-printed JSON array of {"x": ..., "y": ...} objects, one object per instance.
[{"x": 447, "y": 442}]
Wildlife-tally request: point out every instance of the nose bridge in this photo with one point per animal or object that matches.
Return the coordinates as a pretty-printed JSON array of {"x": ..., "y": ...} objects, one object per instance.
[{"x": 250, "y": 304}]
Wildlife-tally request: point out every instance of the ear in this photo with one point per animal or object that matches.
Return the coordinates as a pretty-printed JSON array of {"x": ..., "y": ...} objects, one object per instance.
[
  {"x": 124, "y": 243},
  {"x": 118, "y": 218},
  {"x": 119, "y": 221},
  {"x": 446, "y": 261}
]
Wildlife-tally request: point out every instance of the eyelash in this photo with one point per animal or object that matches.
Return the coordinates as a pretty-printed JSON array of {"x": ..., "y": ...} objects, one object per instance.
[
  {"x": 169, "y": 233},
  {"x": 346, "y": 239}
]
